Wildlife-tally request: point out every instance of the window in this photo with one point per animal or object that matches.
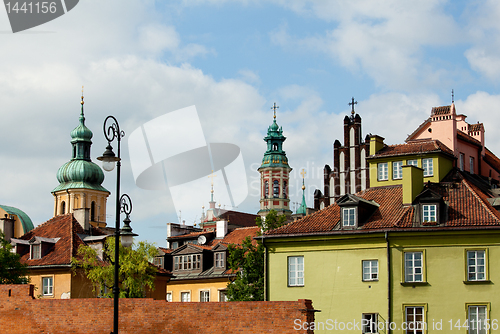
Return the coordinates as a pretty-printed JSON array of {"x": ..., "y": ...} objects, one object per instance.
[
  {"x": 222, "y": 296},
  {"x": 382, "y": 169},
  {"x": 158, "y": 261},
  {"x": 349, "y": 216},
  {"x": 370, "y": 271},
  {"x": 185, "y": 296},
  {"x": 461, "y": 161},
  {"x": 427, "y": 166},
  {"x": 187, "y": 262},
  {"x": 477, "y": 316},
  {"x": 429, "y": 213},
  {"x": 413, "y": 266},
  {"x": 63, "y": 208},
  {"x": 219, "y": 260},
  {"x": 92, "y": 211},
  {"x": 414, "y": 320},
  {"x": 369, "y": 323},
  {"x": 169, "y": 296},
  {"x": 276, "y": 189},
  {"x": 296, "y": 271},
  {"x": 47, "y": 286},
  {"x": 413, "y": 162},
  {"x": 266, "y": 189},
  {"x": 471, "y": 165},
  {"x": 204, "y": 296},
  {"x": 175, "y": 244},
  {"x": 476, "y": 265},
  {"x": 36, "y": 251},
  {"x": 275, "y": 147},
  {"x": 397, "y": 170},
  {"x": 285, "y": 190}
]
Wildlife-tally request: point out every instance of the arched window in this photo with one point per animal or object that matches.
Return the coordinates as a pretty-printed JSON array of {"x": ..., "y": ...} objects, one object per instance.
[
  {"x": 276, "y": 189},
  {"x": 275, "y": 147},
  {"x": 63, "y": 207},
  {"x": 266, "y": 189},
  {"x": 285, "y": 190},
  {"x": 92, "y": 211},
  {"x": 74, "y": 151}
]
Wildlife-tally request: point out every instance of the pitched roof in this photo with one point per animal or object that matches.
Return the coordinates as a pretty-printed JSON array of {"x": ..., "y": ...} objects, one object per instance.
[
  {"x": 414, "y": 147},
  {"x": 64, "y": 227},
  {"x": 467, "y": 206},
  {"x": 238, "y": 235},
  {"x": 239, "y": 218}
]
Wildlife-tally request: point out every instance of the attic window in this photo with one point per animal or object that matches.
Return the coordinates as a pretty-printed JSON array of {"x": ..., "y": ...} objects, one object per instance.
[
  {"x": 429, "y": 213},
  {"x": 348, "y": 217},
  {"x": 36, "y": 251}
]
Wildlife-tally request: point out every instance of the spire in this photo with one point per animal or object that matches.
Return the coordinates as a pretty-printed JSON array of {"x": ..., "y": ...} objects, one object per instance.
[
  {"x": 303, "y": 207},
  {"x": 212, "y": 203},
  {"x": 82, "y": 116},
  {"x": 275, "y": 156}
]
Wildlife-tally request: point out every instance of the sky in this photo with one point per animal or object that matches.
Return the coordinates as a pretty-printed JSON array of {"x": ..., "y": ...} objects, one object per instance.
[{"x": 232, "y": 60}]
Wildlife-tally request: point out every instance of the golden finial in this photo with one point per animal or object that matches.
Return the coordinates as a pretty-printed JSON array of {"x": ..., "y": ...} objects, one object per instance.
[
  {"x": 212, "y": 177},
  {"x": 82, "y": 95},
  {"x": 303, "y": 173}
]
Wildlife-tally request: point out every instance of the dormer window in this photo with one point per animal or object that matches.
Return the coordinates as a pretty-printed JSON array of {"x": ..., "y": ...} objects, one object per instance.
[
  {"x": 349, "y": 217},
  {"x": 429, "y": 213},
  {"x": 220, "y": 260},
  {"x": 36, "y": 251}
]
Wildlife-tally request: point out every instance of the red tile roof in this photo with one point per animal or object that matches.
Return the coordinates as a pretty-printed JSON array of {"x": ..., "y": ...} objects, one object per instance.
[
  {"x": 467, "y": 206},
  {"x": 238, "y": 235},
  {"x": 414, "y": 147},
  {"x": 65, "y": 227}
]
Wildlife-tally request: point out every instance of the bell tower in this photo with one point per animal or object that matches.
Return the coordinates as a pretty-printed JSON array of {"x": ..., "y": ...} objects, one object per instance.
[
  {"x": 80, "y": 179},
  {"x": 274, "y": 173}
]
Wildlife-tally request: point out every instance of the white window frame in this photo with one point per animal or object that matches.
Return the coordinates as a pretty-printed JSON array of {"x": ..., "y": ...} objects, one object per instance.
[
  {"x": 220, "y": 258},
  {"x": 476, "y": 271},
  {"x": 412, "y": 162},
  {"x": 158, "y": 261},
  {"x": 429, "y": 213},
  {"x": 397, "y": 170},
  {"x": 383, "y": 171},
  {"x": 296, "y": 271},
  {"x": 349, "y": 217},
  {"x": 168, "y": 297},
  {"x": 414, "y": 266},
  {"x": 204, "y": 296},
  {"x": 187, "y": 262},
  {"x": 370, "y": 270},
  {"x": 369, "y": 323},
  {"x": 428, "y": 166},
  {"x": 477, "y": 316},
  {"x": 412, "y": 325},
  {"x": 185, "y": 293},
  {"x": 48, "y": 286}
]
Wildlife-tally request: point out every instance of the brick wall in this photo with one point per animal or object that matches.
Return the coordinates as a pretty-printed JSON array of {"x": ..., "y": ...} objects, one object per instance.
[{"x": 21, "y": 313}]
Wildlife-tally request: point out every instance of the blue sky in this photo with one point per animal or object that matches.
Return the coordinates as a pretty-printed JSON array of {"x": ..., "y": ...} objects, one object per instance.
[{"x": 139, "y": 60}]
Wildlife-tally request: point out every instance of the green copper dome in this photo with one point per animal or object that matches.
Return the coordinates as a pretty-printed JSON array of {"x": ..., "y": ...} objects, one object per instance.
[
  {"x": 80, "y": 171},
  {"x": 274, "y": 156}
]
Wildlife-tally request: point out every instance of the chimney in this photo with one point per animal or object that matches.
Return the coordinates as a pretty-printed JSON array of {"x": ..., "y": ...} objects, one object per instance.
[
  {"x": 82, "y": 215},
  {"x": 221, "y": 229},
  {"x": 376, "y": 144},
  {"x": 7, "y": 227},
  {"x": 413, "y": 183}
]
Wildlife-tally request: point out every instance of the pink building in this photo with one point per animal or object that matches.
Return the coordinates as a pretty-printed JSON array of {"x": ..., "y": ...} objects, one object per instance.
[{"x": 464, "y": 139}]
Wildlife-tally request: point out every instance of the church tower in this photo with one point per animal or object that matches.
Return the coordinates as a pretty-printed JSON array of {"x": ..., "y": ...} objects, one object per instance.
[
  {"x": 274, "y": 173},
  {"x": 80, "y": 179}
]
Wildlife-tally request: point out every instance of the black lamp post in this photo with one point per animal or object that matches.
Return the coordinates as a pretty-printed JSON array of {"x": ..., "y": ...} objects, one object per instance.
[{"x": 123, "y": 203}]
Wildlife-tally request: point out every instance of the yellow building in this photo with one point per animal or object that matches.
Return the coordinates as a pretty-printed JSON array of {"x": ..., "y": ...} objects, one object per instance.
[{"x": 376, "y": 262}]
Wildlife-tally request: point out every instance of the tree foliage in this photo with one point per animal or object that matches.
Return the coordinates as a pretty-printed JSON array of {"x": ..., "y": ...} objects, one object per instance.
[
  {"x": 248, "y": 260},
  {"x": 12, "y": 271},
  {"x": 135, "y": 271}
]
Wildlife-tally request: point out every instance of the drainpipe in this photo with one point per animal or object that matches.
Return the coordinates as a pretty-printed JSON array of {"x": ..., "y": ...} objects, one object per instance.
[
  {"x": 388, "y": 330},
  {"x": 265, "y": 270}
]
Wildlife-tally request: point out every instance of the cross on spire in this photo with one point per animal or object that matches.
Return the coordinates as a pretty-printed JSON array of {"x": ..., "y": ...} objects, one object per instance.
[
  {"x": 82, "y": 95},
  {"x": 274, "y": 107},
  {"x": 212, "y": 177},
  {"x": 303, "y": 173},
  {"x": 352, "y": 103}
]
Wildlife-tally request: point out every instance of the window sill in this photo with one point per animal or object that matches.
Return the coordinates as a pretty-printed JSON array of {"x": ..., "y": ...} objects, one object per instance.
[
  {"x": 370, "y": 280},
  {"x": 478, "y": 282},
  {"x": 414, "y": 283},
  {"x": 295, "y": 286}
]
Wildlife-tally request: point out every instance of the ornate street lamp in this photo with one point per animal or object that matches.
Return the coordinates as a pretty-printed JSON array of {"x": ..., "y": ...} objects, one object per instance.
[{"x": 123, "y": 203}]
